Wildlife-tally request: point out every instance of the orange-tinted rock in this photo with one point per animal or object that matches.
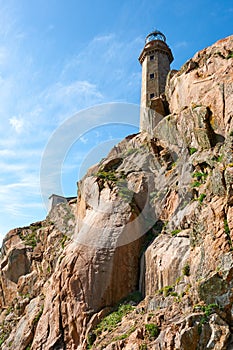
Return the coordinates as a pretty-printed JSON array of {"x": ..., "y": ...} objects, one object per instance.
[{"x": 156, "y": 214}]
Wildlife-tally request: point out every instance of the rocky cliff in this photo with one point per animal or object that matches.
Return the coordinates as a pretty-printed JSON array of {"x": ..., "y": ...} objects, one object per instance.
[{"x": 144, "y": 260}]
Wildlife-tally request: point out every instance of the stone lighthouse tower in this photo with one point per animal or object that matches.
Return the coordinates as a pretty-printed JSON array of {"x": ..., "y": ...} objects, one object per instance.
[{"x": 155, "y": 59}]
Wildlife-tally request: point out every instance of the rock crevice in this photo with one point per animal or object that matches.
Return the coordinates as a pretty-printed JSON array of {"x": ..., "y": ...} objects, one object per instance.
[{"x": 154, "y": 217}]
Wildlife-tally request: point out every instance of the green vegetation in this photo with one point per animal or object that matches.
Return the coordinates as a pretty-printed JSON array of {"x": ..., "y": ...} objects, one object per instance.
[
  {"x": 121, "y": 337},
  {"x": 175, "y": 232},
  {"x": 131, "y": 151},
  {"x": 186, "y": 270},
  {"x": 24, "y": 296},
  {"x": 228, "y": 233},
  {"x": 29, "y": 235},
  {"x": 231, "y": 133},
  {"x": 36, "y": 226},
  {"x": 200, "y": 178},
  {"x": 2, "y": 339},
  {"x": 125, "y": 335},
  {"x": 106, "y": 175},
  {"x": 192, "y": 150},
  {"x": 166, "y": 291},
  {"x": 169, "y": 291},
  {"x": 63, "y": 241},
  {"x": 118, "y": 178},
  {"x": 111, "y": 321},
  {"x": 178, "y": 279},
  {"x": 91, "y": 337},
  {"x": 4, "y": 334},
  {"x": 36, "y": 319},
  {"x": 135, "y": 297},
  {"x": 199, "y": 175},
  {"x": 219, "y": 158},
  {"x": 187, "y": 289},
  {"x": 208, "y": 311},
  {"x": 201, "y": 197},
  {"x": 173, "y": 164},
  {"x": 230, "y": 55},
  {"x": 196, "y": 184},
  {"x": 30, "y": 239},
  {"x": 9, "y": 310},
  {"x": 152, "y": 330},
  {"x": 165, "y": 223},
  {"x": 110, "y": 175},
  {"x": 124, "y": 192},
  {"x": 226, "y": 227},
  {"x": 143, "y": 347}
]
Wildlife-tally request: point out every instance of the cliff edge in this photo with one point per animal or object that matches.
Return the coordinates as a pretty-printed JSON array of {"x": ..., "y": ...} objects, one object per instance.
[{"x": 144, "y": 260}]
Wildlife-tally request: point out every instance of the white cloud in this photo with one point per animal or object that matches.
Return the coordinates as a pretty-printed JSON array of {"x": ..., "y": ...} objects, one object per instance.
[
  {"x": 21, "y": 178},
  {"x": 11, "y": 167},
  {"x": 63, "y": 99},
  {"x": 61, "y": 92},
  {"x": 3, "y": 55},
  {"x": 103, "y": 38},
  {"x": 19, "y": 186},
  {"x": 45, "y": 105},
  {"x": 95, "y": 48},
  {"x": 17, "y": 124},
  {"x": 18, "y": 209},
  {"x": 83, "y": 139},
  {"x": 180, "y": 44},
  {"x": 7, "y": 153},
  {"x": 117, "y": 61}
]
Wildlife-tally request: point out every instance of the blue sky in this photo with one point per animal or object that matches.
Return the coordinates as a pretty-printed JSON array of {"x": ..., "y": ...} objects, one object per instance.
[{"x": 60, "y": 57}]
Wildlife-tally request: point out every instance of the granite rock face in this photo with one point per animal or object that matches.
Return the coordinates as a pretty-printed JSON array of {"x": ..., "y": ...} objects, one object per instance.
[{"x": 154, "y": 219}]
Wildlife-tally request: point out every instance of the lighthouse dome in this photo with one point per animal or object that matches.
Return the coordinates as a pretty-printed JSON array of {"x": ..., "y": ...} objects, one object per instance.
[{"x": 155, "y": 35}]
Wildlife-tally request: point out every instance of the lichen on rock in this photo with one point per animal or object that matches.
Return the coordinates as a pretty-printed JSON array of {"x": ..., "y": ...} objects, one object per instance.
[{"x": 154, "y": 218}]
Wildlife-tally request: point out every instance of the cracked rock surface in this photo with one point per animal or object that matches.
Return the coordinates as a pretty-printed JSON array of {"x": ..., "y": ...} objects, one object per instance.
[{"x": 144, "y": 259}]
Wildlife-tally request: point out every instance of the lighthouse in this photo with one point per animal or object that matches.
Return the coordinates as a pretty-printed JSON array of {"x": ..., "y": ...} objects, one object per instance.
[{"x": 155, "y": 59}]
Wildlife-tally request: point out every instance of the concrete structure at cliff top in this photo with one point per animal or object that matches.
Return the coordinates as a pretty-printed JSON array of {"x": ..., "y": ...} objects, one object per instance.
[
  {"x": 155, "y": 59},
  {"x": 55, "y": 199}
]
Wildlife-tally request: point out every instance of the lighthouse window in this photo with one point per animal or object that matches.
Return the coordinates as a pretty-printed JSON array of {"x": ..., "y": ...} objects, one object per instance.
[
  {"x": 152, "y": 76},
  {"x": 152, "y": 95},
  {"x": 152, "y": 57}
]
